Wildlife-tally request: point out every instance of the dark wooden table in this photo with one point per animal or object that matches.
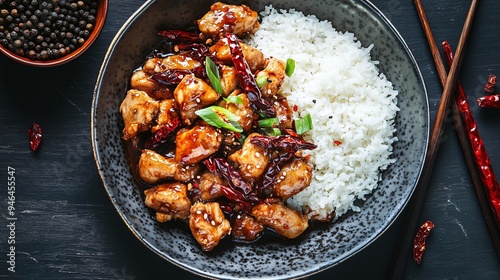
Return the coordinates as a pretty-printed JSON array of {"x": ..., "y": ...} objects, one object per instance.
[{"x": 67, "y": 228}]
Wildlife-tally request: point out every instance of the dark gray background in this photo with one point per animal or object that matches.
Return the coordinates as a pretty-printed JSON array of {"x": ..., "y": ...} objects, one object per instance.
[{"x": 67, "y": 227}]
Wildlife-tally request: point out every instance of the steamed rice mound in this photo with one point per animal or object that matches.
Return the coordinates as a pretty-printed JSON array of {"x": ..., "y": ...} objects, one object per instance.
[{"x": 352, "y": 106}]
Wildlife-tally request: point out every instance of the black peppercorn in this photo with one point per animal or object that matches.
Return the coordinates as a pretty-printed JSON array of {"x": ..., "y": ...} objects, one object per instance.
[{"x": 46, "y": 29}]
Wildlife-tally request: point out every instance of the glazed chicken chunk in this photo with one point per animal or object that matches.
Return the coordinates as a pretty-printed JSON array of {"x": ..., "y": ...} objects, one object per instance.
[
  {"x": 243, "y": 110},
  {"x": 179, "y": 61},
  {"x": 141, "y": 80},
  {"x": 210, "y": 186},
  {"x": 251, "y": 160},
  {"x": 254, "y": 57},
  {"x": 284, "y": 220},
  {"x": 138, "y": 110},
  {"x": 293, "y": 177},
  {"x": 154, "y": 167},
  {"x": 197, "y": 143},
  {"x": 223, "y": 18},
  {"x": 170, "y": 201},
  {"x": 275, "y": 75},
  {"x": 228, "y": 80},
  {"x": 245, "y": 227},
  {"x": 167, "y": 112},
  {"x": 191, "y": 95},
  {"x": 208, "y": 224}
]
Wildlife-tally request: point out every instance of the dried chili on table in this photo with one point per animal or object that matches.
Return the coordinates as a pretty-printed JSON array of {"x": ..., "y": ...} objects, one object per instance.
[
  {"x": 419, "y": 241},
  {"x": 489, "y": 101},
  {"x": 481, "y": 157},
  {"x": 490, "y": 85},
  {"x": 35, "y": 136}
]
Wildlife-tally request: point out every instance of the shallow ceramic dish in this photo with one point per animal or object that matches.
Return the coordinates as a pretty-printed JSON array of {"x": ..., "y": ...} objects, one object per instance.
[{"x": 268, "y": 258}]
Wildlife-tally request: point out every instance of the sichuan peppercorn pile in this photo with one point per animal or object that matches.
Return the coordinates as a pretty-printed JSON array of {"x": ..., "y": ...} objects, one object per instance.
[{"x": 46, "y": 29}]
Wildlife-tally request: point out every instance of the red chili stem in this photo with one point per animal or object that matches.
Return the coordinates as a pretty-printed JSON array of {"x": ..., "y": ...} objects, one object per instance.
[
  {"x": 481, "y": 157},
  {"x": 489, "y": 101},
  {"x": 246, "y": 78}
]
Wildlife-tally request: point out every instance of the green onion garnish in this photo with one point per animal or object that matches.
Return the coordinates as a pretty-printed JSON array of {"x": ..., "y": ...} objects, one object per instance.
[
  {"x": 303, "y": 125},
  {"x": 290, "y": 67},
  {"x": 270, "y": 122},
  {"x": 220, "y": 117},
  {"x": 272, "y": 131},
  {"x": 213, "y": 75},
  {"x": 261, "y": 79},
  {"x": 233, "y": 99}
]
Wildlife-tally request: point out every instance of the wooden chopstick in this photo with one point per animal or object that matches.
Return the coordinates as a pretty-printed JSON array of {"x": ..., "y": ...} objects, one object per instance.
[{"x": 404, "y": 245}]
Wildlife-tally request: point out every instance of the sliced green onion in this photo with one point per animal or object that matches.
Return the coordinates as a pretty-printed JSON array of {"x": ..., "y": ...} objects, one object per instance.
[
  {"x": 213, "y": 75},
  {"x": 272, "y": 131},
  {"x": 261, "y": 79},
  {"x": 220, "y": 117},
  {"x": 270, "y": 122},
  {"x": 233, "y": 99},
  {"x": 290, "y": 67},
  {"x": 303, "y": 125}
]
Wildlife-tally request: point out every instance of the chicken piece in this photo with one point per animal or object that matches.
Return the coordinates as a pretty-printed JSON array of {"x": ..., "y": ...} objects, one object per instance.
[
  {"x": 245, "y": 227},
  {"x": 275, "y": 75},
  {"x": 282, "y": 219},
  {"x": 209, "y": 186},
  {"x": 224, "y": 18},
  {"x": 284, "y": 112},
  {"x": 254, "y": 57},
  {"x": 251, "y": 160},
  {"x": 141, "y": 80},
  {"x": 166, "y": 114},
  {"x": 197, "y": 143},
  {"x": 293, "y": 177},
  {"x": 191, "y": 95},
  {"x": 208, "y": 224},
  {"x": 228, "y": 80},
  {"x": 138, "y": 110},
  {"x": 170, "y": 201},
  {"x": 179, "y": 61},
  {"x": 243, "y": 110},
  {"x": 154, "y": 167}
]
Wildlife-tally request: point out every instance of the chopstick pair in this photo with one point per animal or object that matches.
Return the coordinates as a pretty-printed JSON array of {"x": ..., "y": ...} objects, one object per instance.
[{"x": 449, "y": 83}]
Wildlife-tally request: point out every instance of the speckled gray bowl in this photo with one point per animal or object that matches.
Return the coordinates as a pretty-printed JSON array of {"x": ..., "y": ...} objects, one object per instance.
[{"x": 270, "y": 257}]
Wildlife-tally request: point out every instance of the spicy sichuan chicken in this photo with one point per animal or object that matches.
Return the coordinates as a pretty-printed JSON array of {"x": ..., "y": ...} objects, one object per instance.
[{"x": 218, "y": 143}]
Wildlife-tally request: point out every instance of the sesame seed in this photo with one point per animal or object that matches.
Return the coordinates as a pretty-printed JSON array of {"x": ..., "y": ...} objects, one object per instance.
[
  {"x": 198, "y": 100},
  {"x": 205, "y": 216},
  {"x": 213, "y": 223},
  {"x": 257, "y": 154},
  {"x": 198, "y": 212}
]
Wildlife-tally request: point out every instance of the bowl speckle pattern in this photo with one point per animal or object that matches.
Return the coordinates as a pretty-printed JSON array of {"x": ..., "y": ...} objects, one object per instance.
[{"x": 271, "y": 257}]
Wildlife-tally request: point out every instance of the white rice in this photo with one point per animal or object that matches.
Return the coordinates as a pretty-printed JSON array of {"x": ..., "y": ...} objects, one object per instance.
[{"x": 352, "y": 105}]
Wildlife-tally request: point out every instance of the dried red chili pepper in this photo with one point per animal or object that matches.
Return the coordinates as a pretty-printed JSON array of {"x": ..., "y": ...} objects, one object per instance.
[
  {"x": 419, "y": 241},
  {"x": 489, "y": 101},
  {"x": 246, "y": 202},
  {"x": 246, "y": 78},
  {"x": 180, "y": 36},
  {"x": 163, "y": 135},
  {"x": 175, "y": 76},
  {"x": 35, "y": 136},
  {"x": 226, "y": 170},
  {"x": 490, "y": 85},
  {"x": 282, "y": 142},
  {"x": 481, "y": 157},
  {"x": 265, "y": 185}
]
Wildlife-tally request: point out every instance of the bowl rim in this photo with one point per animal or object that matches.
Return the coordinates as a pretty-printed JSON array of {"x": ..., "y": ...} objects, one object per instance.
[
  {"x": 356, "y": 249},
  {"x": 102, "y": 14}
]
